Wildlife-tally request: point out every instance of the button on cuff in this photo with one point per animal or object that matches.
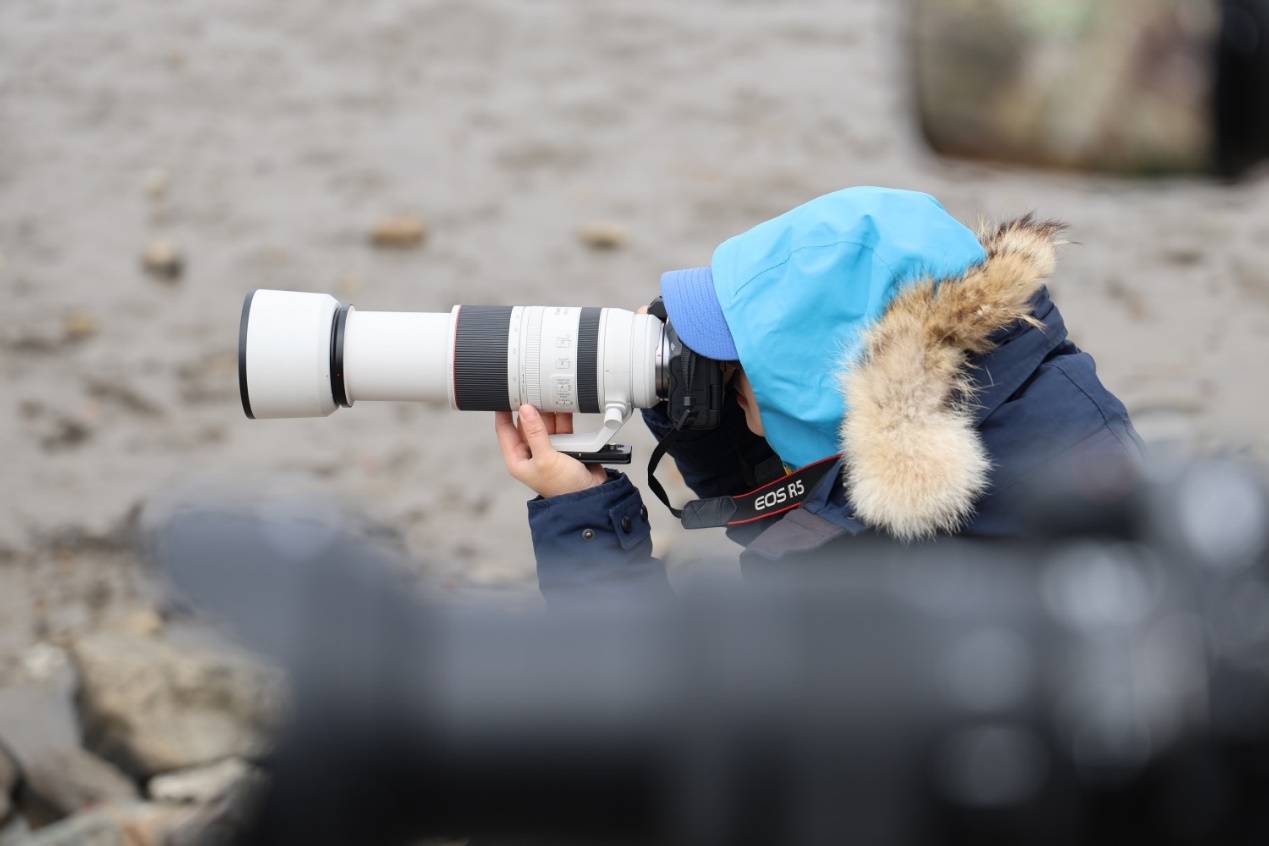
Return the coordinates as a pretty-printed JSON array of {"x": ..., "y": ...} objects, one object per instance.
[{"x": 629, "y": 529}]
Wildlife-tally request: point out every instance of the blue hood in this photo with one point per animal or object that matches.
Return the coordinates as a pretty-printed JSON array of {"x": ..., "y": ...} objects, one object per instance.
[{"x": 798, "y": 291}]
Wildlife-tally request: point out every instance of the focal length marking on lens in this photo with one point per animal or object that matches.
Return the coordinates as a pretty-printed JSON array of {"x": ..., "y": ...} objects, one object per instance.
[
  {"x": 480, "y": 358},
  {"x": 558, "y": 365}
]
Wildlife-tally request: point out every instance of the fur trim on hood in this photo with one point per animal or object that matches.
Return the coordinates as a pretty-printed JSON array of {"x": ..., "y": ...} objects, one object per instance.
[{"x": 915, "y": 464}]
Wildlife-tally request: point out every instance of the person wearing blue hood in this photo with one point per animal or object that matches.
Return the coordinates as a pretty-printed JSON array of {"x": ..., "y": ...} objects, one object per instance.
[{"x": 867, "y": 326}]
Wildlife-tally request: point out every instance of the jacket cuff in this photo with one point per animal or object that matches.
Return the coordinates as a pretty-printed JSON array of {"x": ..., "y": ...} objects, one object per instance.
[{"x": 597, "y": 535}]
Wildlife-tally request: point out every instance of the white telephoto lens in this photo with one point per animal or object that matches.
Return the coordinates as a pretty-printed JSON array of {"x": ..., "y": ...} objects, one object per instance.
[{"x": 304, "y": 355}]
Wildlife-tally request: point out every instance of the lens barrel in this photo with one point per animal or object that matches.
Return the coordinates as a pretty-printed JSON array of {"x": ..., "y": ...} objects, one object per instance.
[{"x": 304, "y": 355}]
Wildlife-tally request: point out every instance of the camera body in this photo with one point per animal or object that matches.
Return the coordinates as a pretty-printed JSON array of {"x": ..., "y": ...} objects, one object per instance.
[{"x": 695, "y": 388}]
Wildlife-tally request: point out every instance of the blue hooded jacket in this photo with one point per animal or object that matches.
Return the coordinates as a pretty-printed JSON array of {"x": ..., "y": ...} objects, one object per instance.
[{"x": 961, "y": 391}]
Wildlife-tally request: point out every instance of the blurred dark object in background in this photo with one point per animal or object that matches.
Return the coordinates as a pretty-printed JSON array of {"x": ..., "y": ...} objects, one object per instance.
[
  {"x": 1108, "y": 687},
  {"x": 1140, "y": 87}
]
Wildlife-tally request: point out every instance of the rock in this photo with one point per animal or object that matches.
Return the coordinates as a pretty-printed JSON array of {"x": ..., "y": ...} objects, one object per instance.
[
  {"x": 133, "y": 824},
  {"x": 59, "y": 432},
  {"x": 603, "y": 236},
  {"x": 145, "y": 622},
  {"x": 49, "y": 334},
  {"x": 44, "y": 660},
  {"x": 226, "y": 819},
  {"x": 156, "y": 183},
  {"x": 399, "y": 232},
  {"x": 163, "y": 260},
  {"x": 121, "y": 395},
  {"x": 79, "y": 326},
  {"x": 1182, "y": 255},
  {"x": 8, "y": 783},
  {"x": 199, "y": 785},
  {"x": 151, "y": 706},
  {"x": 61, "y": 781}
]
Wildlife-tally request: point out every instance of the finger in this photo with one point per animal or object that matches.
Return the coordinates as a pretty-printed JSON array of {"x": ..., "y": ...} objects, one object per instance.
[
  {"x": 514, "y": 450},
  {"x": 548, "y": 420},
  {"x": 563, "y": 423},
  {"x": 534, "y": 430},
  {"x": 643, "y": 309}
]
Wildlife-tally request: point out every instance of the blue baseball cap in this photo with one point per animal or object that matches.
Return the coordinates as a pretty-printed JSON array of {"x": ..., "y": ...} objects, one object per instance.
[{"x": 790, "y": 299}]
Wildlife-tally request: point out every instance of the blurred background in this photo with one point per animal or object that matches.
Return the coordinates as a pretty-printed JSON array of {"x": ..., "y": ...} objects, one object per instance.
[{"x": 157, "y": 161}]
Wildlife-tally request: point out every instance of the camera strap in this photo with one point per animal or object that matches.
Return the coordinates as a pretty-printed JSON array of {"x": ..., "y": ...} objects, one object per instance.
[{"x": 768, "y": 500}]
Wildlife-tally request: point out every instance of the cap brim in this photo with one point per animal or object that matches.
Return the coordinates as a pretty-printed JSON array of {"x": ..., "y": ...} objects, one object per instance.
[{"x": 694, "y": 310}]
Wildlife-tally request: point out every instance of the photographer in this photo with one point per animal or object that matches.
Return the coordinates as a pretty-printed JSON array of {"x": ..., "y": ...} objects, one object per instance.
[{"x": 866, "y": 325}]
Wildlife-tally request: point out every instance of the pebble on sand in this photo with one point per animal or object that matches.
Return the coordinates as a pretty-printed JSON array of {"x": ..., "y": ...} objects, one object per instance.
[
  {"x": 156, "y": 183},
  {"x": 603, "y": 236},
  {"x": 145, "y": 622},
  {"x": 79, "y": 326},
  {"x": 163, "y": 260},
  {"x": 400, "y": 231},
  {"x": 198, "y": 785},
  {"x": 44, "y": 660}
]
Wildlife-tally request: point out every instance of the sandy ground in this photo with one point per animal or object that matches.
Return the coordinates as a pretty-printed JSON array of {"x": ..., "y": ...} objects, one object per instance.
[{"x": 265, "y": 139}]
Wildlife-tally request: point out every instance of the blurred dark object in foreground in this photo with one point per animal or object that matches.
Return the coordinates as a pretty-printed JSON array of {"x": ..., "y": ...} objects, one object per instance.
[
  {"x": 1109, "y": 687},
  {"x": 1140, "y": 87}
]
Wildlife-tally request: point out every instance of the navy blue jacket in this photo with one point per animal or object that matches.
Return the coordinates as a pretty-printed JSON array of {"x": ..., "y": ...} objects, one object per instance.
[{"x": 1037, "y": 402}]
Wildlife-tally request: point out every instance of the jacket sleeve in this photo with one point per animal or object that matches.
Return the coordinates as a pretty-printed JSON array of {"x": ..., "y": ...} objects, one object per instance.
[
  {"x": 595, "y": 542},
  {"x": 718, "y": 462}
]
